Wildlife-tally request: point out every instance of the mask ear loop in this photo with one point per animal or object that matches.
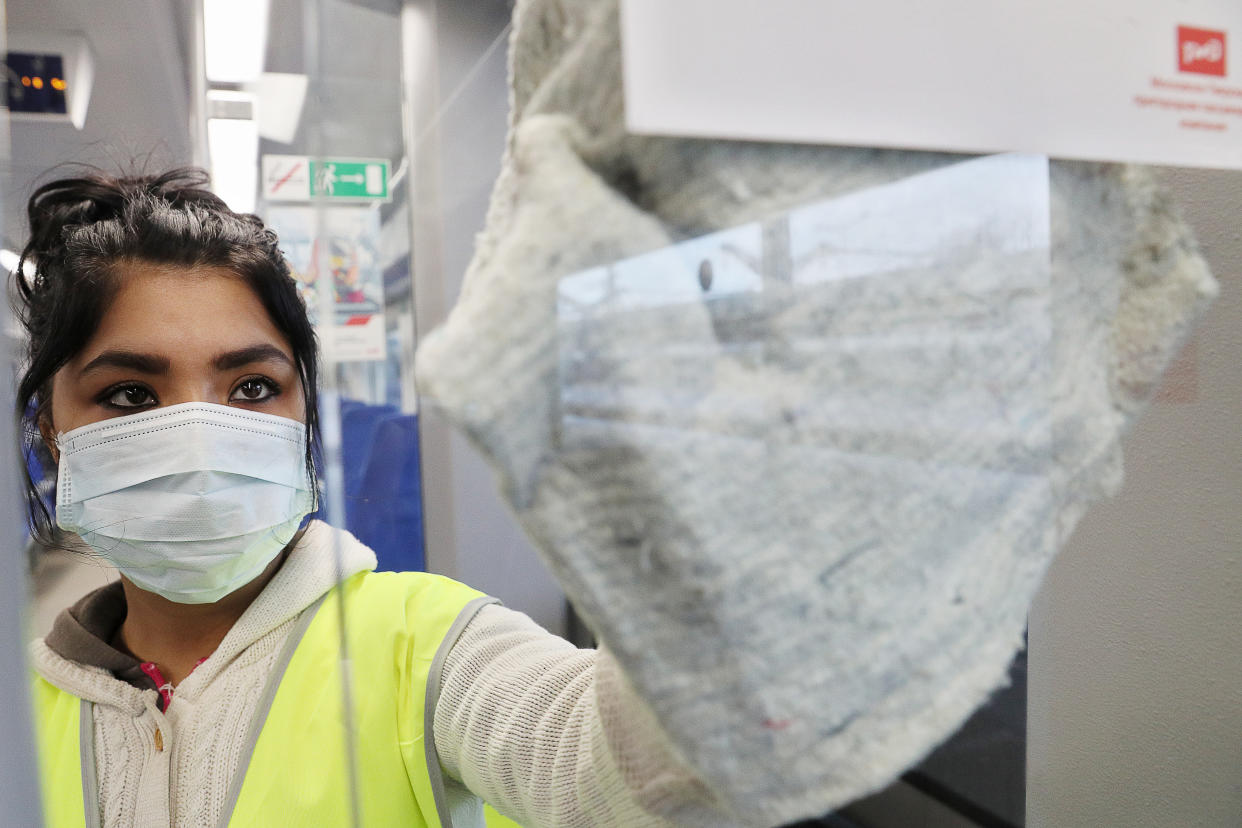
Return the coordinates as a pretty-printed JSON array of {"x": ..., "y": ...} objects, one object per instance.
[{"x": 50, "y": 437}]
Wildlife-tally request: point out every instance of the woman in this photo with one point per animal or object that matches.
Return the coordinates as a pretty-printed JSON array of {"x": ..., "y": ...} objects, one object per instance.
[{"x": 171, "y": 378}]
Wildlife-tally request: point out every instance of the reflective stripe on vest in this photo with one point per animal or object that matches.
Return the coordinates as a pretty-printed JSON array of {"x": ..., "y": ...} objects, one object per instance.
[{"x": 400, "y": 627}]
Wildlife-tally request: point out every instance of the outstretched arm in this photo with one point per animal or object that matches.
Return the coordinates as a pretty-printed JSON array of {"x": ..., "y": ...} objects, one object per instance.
[{"x": 551, "y": 735}]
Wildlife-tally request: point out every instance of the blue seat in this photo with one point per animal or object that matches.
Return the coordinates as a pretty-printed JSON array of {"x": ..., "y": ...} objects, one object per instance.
[
  {"x": 386, "y": 511},
  {"x": 382, "y": 477},
  {"x": 357, "y": 437},
  {"x": 358, "y": 422}
]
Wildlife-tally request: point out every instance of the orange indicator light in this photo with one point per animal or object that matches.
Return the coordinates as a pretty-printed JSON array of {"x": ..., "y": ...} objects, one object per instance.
[
  {"x": 58, "y": 84},
  {"x": 37, "y": 83},
  {"x": 25, "y": 81}
]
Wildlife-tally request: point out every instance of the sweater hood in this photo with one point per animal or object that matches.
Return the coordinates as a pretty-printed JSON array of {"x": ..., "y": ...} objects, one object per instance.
[{"x": 309, "y": 572}]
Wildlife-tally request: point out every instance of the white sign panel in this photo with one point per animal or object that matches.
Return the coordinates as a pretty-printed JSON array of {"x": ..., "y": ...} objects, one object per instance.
[
  {"x": 286, "y": 178},
  {"x": 1149, "y": 81},
  {"x": 299, "y": 178}
]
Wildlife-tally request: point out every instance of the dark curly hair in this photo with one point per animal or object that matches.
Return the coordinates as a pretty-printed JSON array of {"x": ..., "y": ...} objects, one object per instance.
[{"x": 81, "y": 227}]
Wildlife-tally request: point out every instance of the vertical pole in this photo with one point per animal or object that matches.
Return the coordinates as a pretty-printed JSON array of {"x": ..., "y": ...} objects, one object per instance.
[
  {"x": 316, "y": 114},
  {"x": 420, "y": 104},
  {"x": 19, "y": 784},
  {"x": 198, "y": 86}
]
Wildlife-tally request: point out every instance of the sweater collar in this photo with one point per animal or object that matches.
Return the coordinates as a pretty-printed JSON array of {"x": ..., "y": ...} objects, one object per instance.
[{"x": 77, "y": 656}]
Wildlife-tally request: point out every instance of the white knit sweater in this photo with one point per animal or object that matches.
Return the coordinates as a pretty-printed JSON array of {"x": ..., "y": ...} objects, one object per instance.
[{"x": 550, "y": 735}]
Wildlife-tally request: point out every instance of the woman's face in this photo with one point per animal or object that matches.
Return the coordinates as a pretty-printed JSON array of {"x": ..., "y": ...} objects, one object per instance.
[{"x": 173, "y": 335}]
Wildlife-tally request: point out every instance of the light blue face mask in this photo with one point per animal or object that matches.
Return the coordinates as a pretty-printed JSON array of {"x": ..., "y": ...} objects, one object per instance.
[{"x": 190, "y": 502}]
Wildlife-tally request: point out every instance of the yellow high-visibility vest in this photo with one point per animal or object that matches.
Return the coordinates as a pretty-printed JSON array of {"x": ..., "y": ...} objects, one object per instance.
[{"x": 400, "y": 627}]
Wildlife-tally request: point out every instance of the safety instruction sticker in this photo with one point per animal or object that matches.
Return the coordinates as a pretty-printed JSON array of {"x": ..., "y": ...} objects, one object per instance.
[
  {"x": 1147, "y": 81},
  {"x": 302, "y": 178}
]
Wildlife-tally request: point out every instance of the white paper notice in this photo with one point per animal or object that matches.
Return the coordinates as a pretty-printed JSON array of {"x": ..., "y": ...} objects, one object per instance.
[
  {"x": 1148, "y": 81},
  {"x": 343, "y": 243}
]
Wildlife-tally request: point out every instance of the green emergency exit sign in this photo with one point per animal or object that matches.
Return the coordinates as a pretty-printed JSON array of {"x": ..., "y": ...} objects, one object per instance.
[
  {"x": 348, "y": 179},
  {"x": 299, "y": 178}
]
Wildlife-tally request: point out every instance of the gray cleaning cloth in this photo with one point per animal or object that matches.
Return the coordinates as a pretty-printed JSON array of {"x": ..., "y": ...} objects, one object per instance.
[{"x": 797, "y": 428}]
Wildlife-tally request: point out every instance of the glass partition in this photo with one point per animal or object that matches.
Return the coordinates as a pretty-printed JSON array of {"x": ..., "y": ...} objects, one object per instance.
[{"x": 827, "y": 345}]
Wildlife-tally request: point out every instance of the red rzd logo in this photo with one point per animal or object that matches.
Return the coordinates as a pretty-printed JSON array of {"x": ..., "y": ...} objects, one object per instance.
[{"x": 1201, "y": 51}]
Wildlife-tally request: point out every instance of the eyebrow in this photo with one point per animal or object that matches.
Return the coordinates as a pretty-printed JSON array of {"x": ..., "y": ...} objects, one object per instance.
[
  {"x": 154, "y": 364},
  {"x": 130, "y": 360},
  {"x": 245, "y": 356}
]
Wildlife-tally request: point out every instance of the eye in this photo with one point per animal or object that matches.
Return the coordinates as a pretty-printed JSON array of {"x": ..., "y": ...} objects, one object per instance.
[
  {"x": 128, "y": 396},
  {"x": 254, "y": 389}
]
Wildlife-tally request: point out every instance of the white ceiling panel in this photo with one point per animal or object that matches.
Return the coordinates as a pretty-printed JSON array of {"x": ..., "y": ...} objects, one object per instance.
[{"x": 139, "y": 110}]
